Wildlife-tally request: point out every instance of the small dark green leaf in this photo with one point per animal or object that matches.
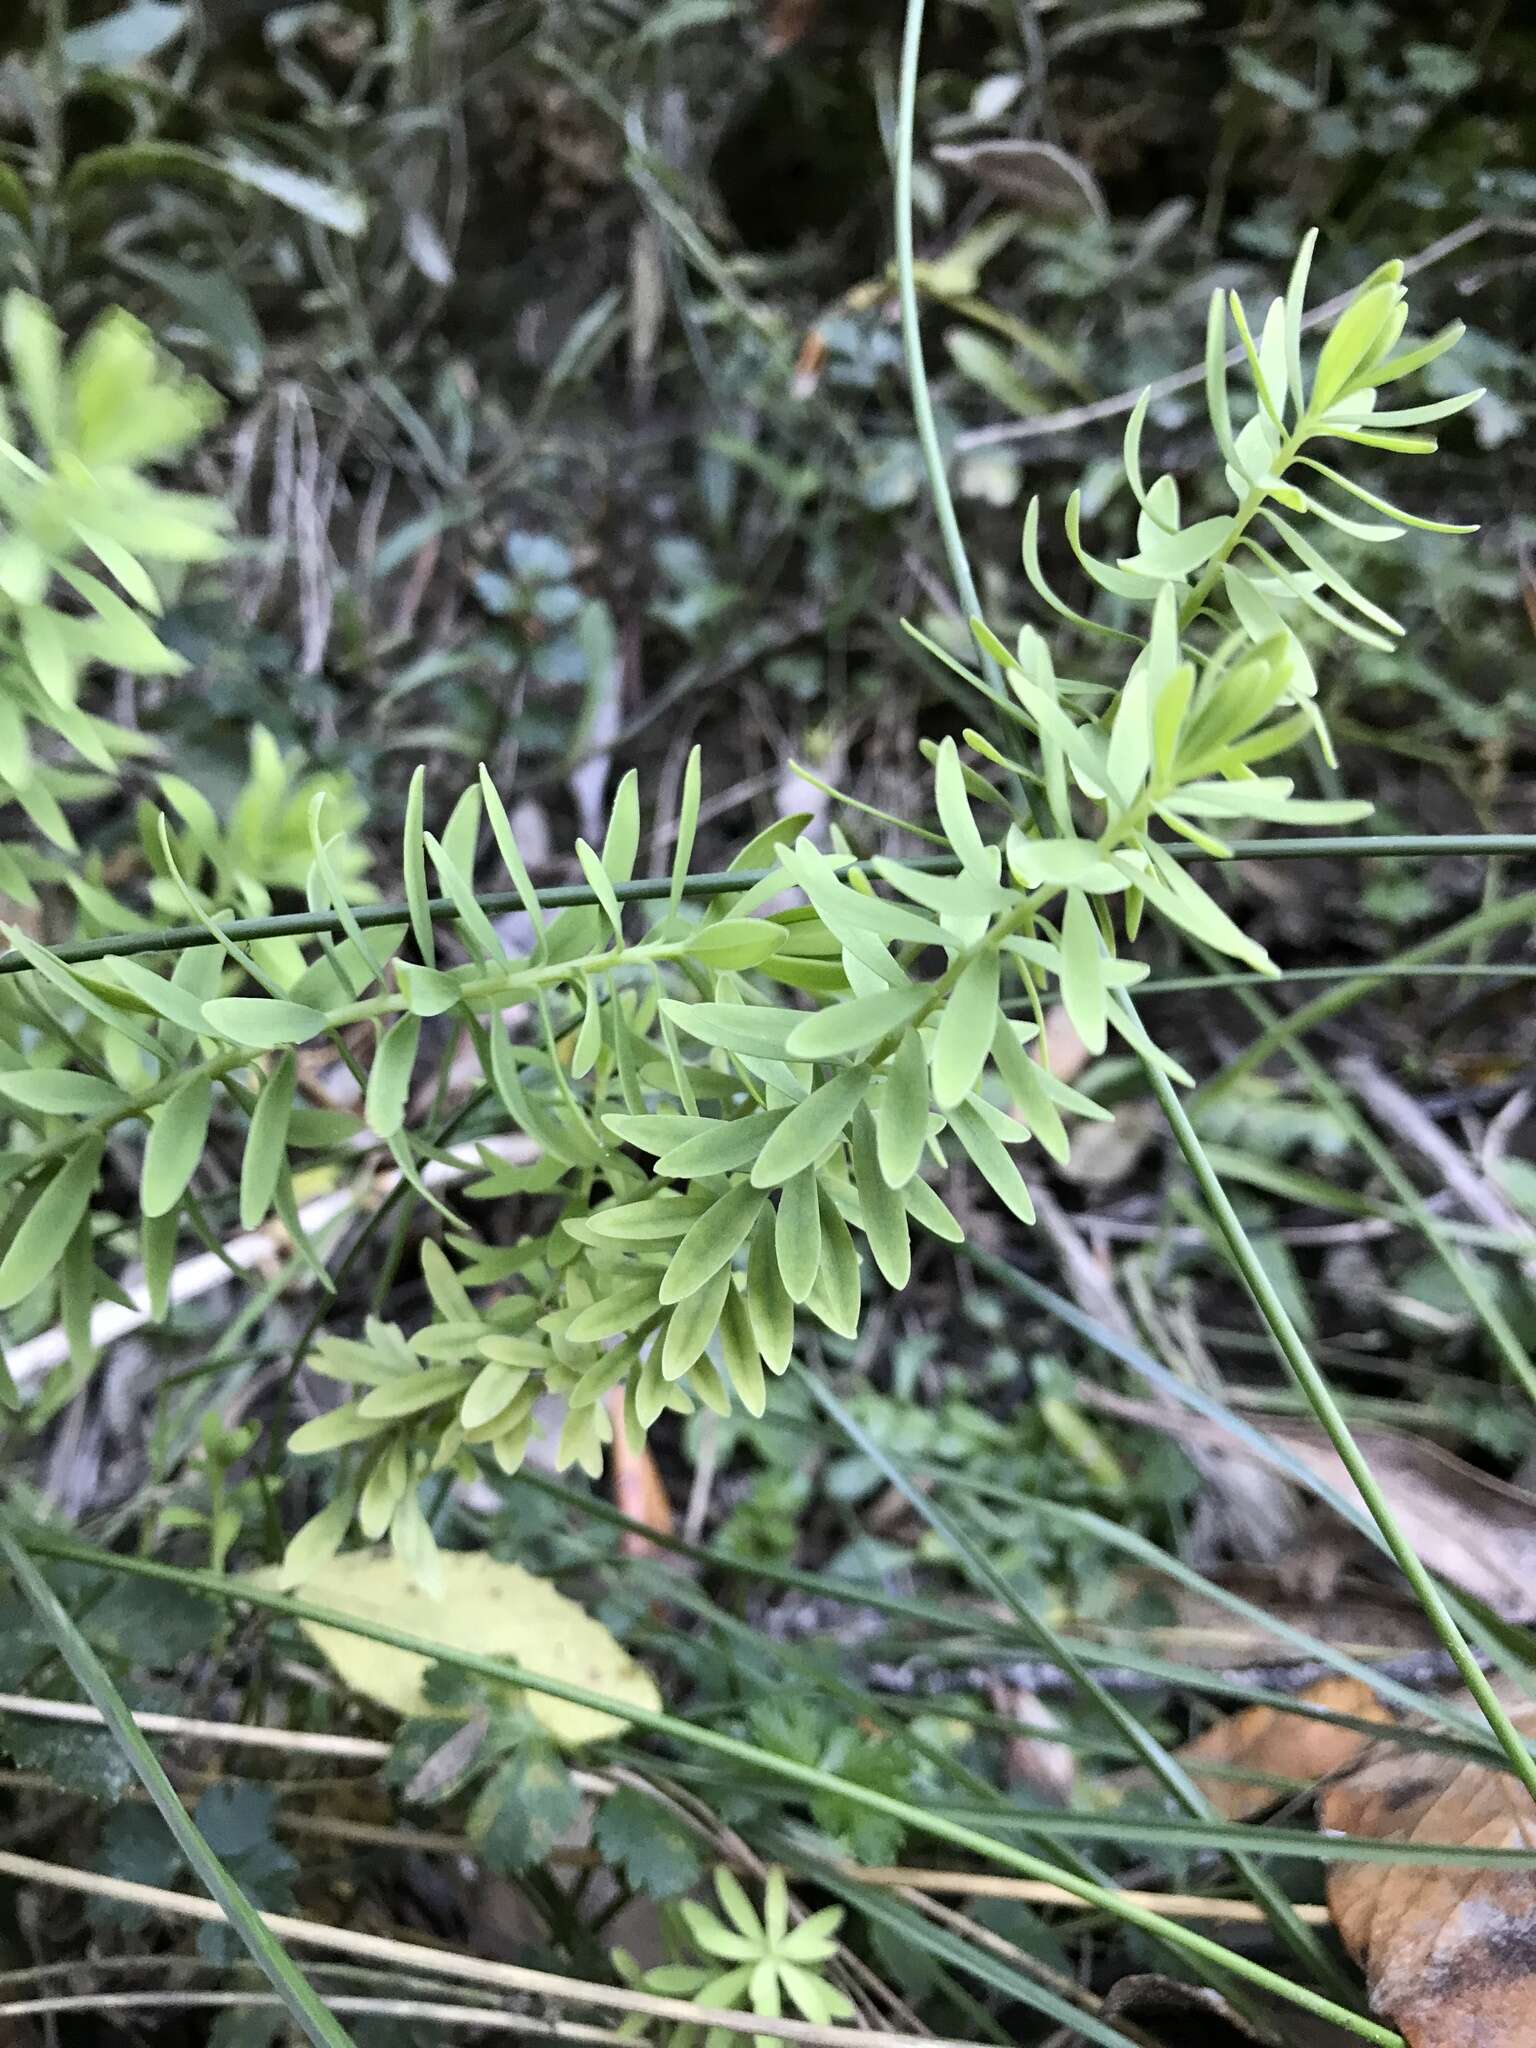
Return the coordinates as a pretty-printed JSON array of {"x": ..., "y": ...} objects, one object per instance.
[{"x": 653, "y": 1849}]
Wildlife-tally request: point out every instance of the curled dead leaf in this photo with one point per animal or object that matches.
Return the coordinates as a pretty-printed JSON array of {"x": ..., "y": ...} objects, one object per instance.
[
  {"x": 638, "y": 1489},
  {"x": 1476, "y": 1531},
  {"x": 1037, "y": 175},
  {"x": 1449, "y": 1954},
  {"x": 1261, "y": 1744}
]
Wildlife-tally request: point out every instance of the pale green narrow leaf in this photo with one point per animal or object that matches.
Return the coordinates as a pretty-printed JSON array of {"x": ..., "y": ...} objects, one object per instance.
[
  {"x": 854, "y": 1025},
  {"x": 836, "y": 1294},
  {"x": 771, "y": 1311},
  {"x": 691, "y": 1325},
  {"x": 427, "y": 992},
  {"x": 601, "y": 887},
  {"x": 327, "y": 205},
  {"x": 901, "y": 1112},
  {"x": 750, "y": 1029},
  {"x": 266, "y": 1143},
  {"x": 35, "y": 349},
  {"x": 720, "y": 1147},
  {"x": 687, "y": 827},
  {"x": 1082, "y": 981},
  {"x": 1026, "y": 1083},
  {"x": 50, "y": 1223},
  {"x": 1295, "y": 306},
  {"x": 734, "y": 943},
  {"x": 473, "y": 922},
  {"x": 511, "y": 856},
  {"x": 589, "y": 1039},
  {"x": 954, "y": 806},
  {"x": 1216, "y": 400},
  {"x": 389, "y": 1078},
  {"x": 1350, "y": 342},
  {"x": 712, "y": 1242},
  {"x": 166, "y": 998},
  {"x": 177, "y": 1133},
  {"x": 621, "y": 842},
  {"x": 56, "y": 1092},
  {"x": 929, "y": 1211},
  {"x": 884, "y": 1213},
  {"x": 740, "y": 1354},
  {"x": 810, "y": 1128},
  {"x": 992, "y": 1160},
  {"x": 414, "y": 863},
  {"x": 157, "y": 1249},
  {"x": 261, "y": 1022},
  {"x": 964, "y": 1035},
  {"x": 797, "y": 1235}
]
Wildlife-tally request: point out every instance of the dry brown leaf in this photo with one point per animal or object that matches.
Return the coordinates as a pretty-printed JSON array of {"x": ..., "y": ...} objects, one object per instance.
[
  {"x": 788, "y": 22},
  {"x": 1065, "y": 1053},
  {"x": 1162, "y": 2010},
  {"x": 1364, "y": 1619},
  {"x": 1273, "y": 1744},
  {"x": 1476, "y": 1531},
  {"x": 1046, "y": 1768},
  {"x": 638, "y": 1490},
  {"x": 1450, "y": 1955},
  {"x": 1050, "y": 182}
]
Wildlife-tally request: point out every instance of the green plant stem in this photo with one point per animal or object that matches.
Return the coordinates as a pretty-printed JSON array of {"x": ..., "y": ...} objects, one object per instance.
[
  {"x": 300, "y": 924},
  {"x": 808, "y": 1776},
  {"x": 1320, "y": 1397},
  {"x": 906, "y": 285},
  {"x": 266, "y": 1951}
]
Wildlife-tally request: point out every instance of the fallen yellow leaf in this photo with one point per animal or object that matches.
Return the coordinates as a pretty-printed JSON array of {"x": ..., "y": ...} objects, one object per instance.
[{"x": 491, "y": 1608}]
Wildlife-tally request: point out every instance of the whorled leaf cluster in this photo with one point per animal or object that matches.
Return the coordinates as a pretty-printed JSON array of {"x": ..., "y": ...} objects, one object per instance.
[{"x": 734, "y": 1096}]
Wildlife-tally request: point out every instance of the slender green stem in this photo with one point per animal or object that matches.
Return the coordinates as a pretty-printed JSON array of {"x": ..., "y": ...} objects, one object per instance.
[
  {"x": 266, "y": 1951},
  {"x": 1386, "y": 970},
  {"x": 300, "y": 924},
  {"x": 1320, "y": 1397},
  {"x": 809, "y": 1777},
  {"x": 906, "y": 284}
]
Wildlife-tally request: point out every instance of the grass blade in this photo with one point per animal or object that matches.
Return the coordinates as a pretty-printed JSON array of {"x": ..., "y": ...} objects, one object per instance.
[{"x": 267, "y": 1952}]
